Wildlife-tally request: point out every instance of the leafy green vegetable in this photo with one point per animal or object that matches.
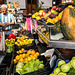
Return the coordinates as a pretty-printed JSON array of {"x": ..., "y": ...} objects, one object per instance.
[
  {"x": 31, "y": 66},
  {"x": 56, "y": 71},
  {"x": 73, "y": 57},
  {"x": 52, "y": 74},
  {"x": 65, "y": 67},
  {"x": 20, "y": 68},
  {"x": 41, "y": 66},
  {"x": 72, "y": 70},
  {"x": 61, "y": 73},
  {"x": 61, "y": 63},
  {"x": 73, "y": 63},
  {"x": 71, "y": 73}
]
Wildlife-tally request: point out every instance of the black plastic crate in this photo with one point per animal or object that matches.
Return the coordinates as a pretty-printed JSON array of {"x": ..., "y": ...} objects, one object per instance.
[
  {"x": 44, "y": 71},
  {"x": 58, "y": 55}
]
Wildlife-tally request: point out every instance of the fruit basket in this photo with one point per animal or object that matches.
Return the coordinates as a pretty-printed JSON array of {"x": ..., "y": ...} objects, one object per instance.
[{"x": 44, "y": 71}]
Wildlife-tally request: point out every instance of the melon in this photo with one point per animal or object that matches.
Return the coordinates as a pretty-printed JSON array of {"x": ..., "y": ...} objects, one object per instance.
[{"x": 68, "y": 23}]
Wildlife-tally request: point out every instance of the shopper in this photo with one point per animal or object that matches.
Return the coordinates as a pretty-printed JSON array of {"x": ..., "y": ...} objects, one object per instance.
[{"x": 6, "y": 19}]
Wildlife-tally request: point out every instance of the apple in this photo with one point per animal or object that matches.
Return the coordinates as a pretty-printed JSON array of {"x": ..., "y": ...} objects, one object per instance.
[
  {"x": 40, "y": 14},
  {"x": 43, "y": 13},
  {"x": 54, "y": 8},
  {"x": 40, "y": 11},
  {"x": 59, "y": 9},
  {"x": 46, "y": 16},
  {"x": 72, "y": 1},
  {"x": 49, "y": 12},
  {"x": 53, "y": 11},
  {"x": 56, "y": 13},
  {"x": 52, "y": 15}
]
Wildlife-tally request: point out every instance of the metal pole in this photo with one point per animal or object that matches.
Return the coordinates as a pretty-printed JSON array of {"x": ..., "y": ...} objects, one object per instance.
[{"x": 3, "y": 39}]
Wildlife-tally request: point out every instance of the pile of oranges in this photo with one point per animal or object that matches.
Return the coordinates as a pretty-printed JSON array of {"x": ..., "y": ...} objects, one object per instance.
[
  {"x": 20, "y": 51},
  {"x": 26, "y": 57}
]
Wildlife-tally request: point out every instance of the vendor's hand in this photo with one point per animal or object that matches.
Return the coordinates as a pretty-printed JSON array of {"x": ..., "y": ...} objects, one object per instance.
[{"x": 6, "y": 24}]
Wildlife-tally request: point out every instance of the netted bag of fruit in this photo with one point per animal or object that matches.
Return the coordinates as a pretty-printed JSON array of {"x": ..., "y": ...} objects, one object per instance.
[{"x": 57, "y": 27}]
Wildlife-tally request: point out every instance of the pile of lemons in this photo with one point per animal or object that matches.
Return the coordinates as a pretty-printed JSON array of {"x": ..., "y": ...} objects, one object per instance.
[{"x": 24, "y": 40}]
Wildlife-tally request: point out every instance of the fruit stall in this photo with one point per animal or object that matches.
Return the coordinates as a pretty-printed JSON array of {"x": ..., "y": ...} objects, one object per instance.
[
  {"x": 51, "y": 28},
  {"x": 47, "y": 49}
]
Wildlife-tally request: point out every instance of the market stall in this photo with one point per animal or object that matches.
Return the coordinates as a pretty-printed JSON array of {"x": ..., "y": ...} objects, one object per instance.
[{"x": 44, "y": 47}]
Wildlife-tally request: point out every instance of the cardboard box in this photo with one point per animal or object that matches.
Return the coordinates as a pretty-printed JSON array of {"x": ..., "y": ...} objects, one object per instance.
[{"x": 16, "y": 4}]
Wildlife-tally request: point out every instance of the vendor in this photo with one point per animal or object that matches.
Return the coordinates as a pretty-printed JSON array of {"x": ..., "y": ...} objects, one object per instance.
[{"x": 6, "y": 19}]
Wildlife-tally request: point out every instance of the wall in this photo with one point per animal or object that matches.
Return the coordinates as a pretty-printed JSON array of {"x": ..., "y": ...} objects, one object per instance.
[
  {"x": 47, "y": 3},
  {"x": 22, "y": 3}
]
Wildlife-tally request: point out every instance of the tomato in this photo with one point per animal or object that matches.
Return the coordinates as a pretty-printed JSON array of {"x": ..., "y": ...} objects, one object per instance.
[{"x": 11, "y": 36}]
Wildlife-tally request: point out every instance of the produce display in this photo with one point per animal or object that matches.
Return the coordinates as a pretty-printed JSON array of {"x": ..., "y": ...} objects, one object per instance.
[
  {"x": 26, "y": 61},
  {"x": 65, "y": 68},
  {"x": 68, "y": 23},
  {"x": 23, "y": 40},
  {"x": 47, "y": 35},
  {"x": 31, "y": 66},
  {"x": 10, "y": 43},
  {"x": 53, "y": 16},
  {"x": 26, "y": 56}
]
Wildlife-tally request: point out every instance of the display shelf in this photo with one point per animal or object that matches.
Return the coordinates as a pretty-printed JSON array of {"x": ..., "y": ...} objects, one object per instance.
[
  {"x": 67, "y": 44},
  {"x": 13, "y": 8}
]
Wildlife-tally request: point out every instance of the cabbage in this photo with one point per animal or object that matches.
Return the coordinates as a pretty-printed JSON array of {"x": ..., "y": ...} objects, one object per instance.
[
  {"x": 61, "y": 62},
  {"x": 41, "y": 66},
  {"x": 61, "y": 73},
  {"x": 73, "y": 57},
  {"x": 31, "y": 66},
  {"x": 20, "y": 68},
  {"x": 57, "y": 70},
  {"x": 52, "y": 74},
  {"x": 65, "y": 67},
  {"x": 73, "y": 63}
]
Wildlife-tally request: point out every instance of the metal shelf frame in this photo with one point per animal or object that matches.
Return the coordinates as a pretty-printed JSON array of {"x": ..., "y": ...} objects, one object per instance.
[{"x": 66, "y": 44}]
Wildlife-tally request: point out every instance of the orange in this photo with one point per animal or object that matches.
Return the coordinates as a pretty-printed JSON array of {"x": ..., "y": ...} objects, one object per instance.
[
  {"x": 17, "y": 52},
  {"x": 17, "y": 57},
  {"x": 37, "y": 53},
  {"x": 20, "y": 55},
  {"x": 32, "y": 52},
  {"x": 22, "y": 49},
  {"x": 18, "y": 44},
  {"x": 25, "y": 61},
  {"x": 21, "y": 60},
  {"x": 23, "y": 55},
  {"x": 29, "y": 52},
  {"x": 29, "y": 58},
  {"x": 35, "y": 56},
  {"x": 15, "y": 61},
  {"x": 27, "y": 55}
]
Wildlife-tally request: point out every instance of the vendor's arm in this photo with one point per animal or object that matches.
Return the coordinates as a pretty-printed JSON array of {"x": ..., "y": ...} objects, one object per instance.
[{"x": 1, "y": 24}]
